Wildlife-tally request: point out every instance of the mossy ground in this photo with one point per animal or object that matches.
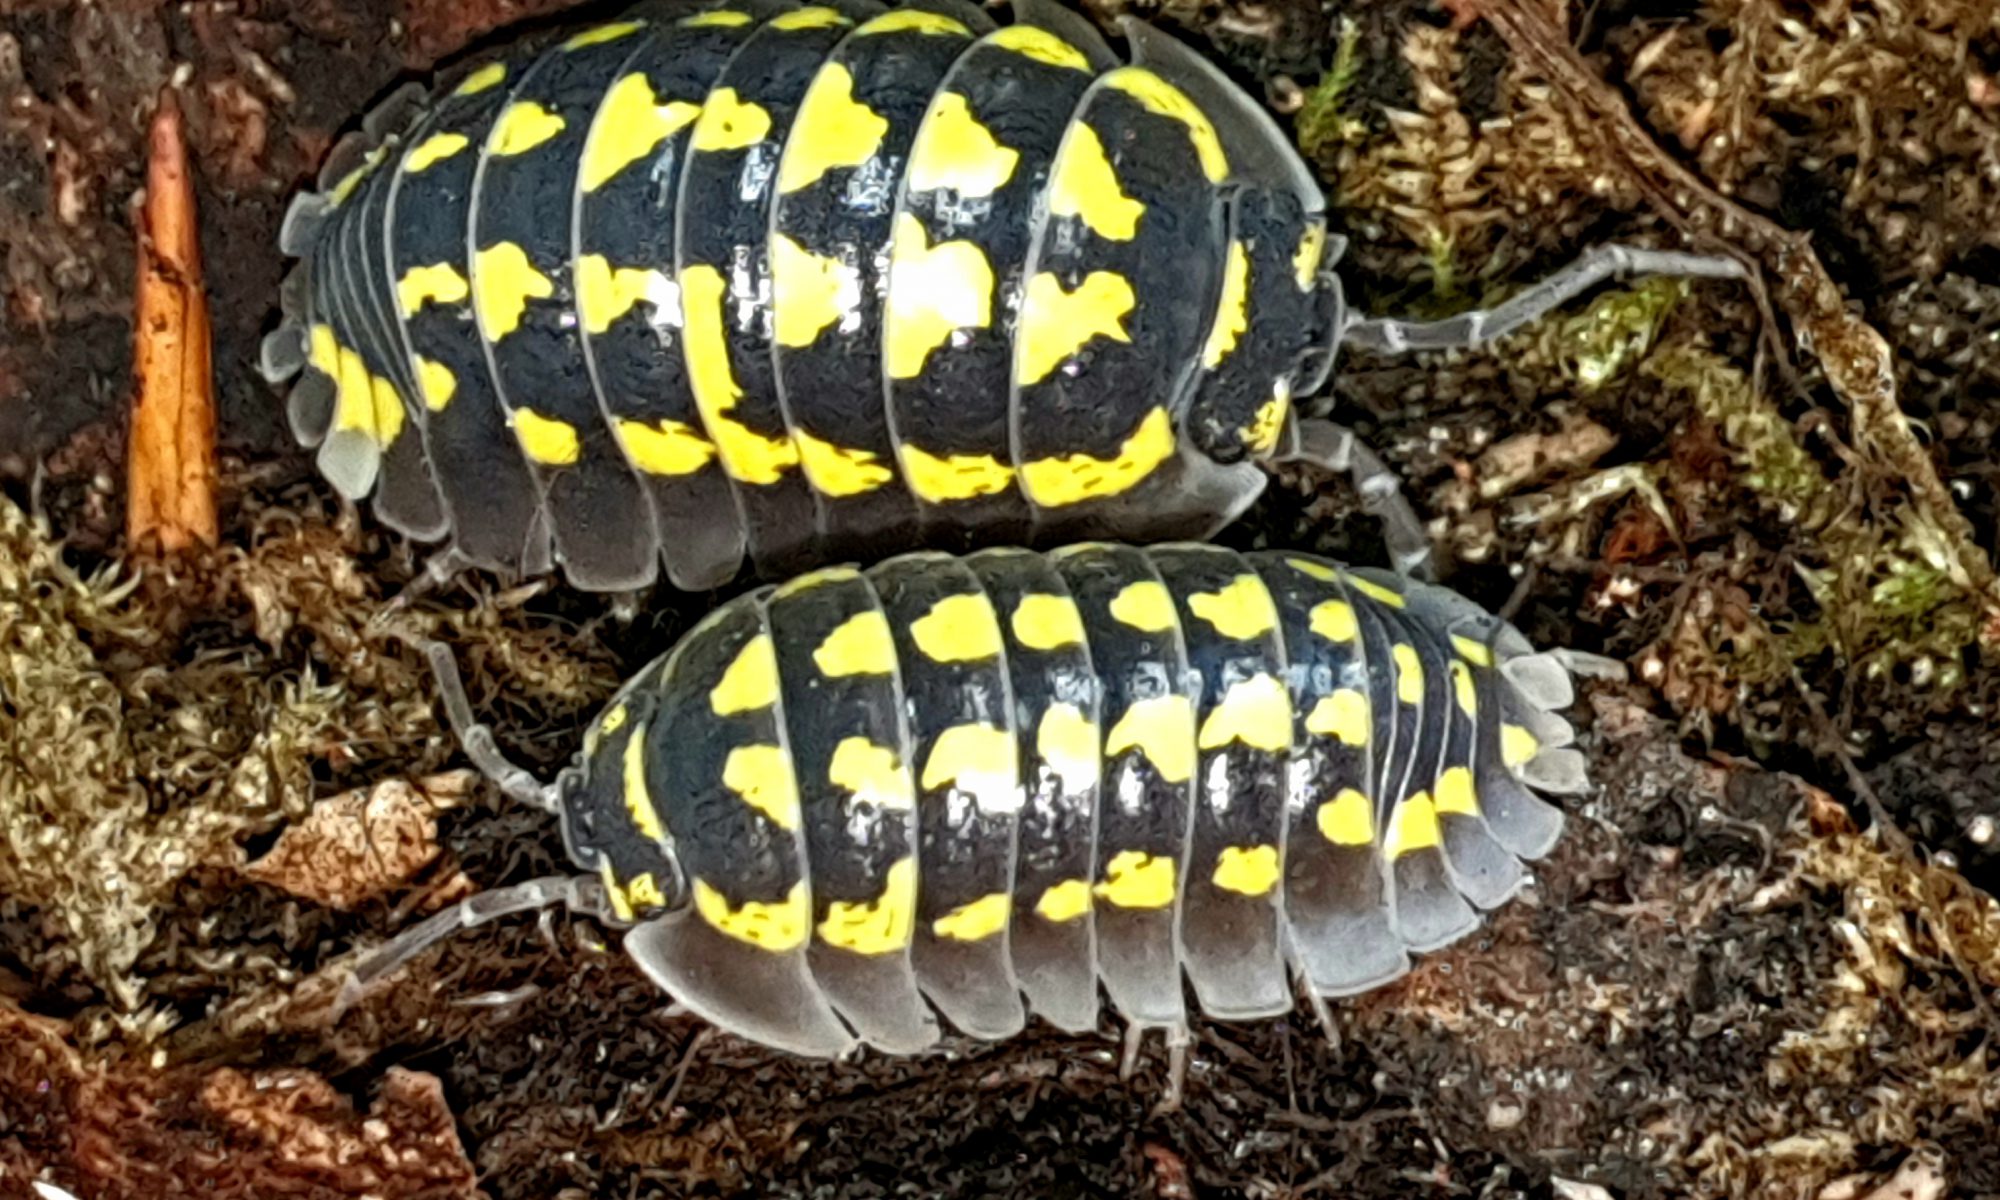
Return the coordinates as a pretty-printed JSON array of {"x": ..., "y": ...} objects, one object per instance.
[{"x": 1761, "y": 964}]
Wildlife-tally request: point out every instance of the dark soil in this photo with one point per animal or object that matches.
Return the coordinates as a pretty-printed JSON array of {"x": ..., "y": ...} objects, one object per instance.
[{"x": 1764, "y": 961}]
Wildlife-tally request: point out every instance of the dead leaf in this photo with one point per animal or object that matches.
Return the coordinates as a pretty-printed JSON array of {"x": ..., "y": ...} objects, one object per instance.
[
  {"x": 362, "y": 844},
  {"x": 407, "y": 1145}
]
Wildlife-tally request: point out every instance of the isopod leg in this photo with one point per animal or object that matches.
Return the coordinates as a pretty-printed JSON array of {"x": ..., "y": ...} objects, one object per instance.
[
  {"x": 1338, "y": 449},
  {"x": 1321, "y": 1011},
  {"x": 578, "y": 893},
  {"x": 1179, "y": 1038},
  {"x": 1592, "y": 267},
  {"x": 485, "y": 753}
]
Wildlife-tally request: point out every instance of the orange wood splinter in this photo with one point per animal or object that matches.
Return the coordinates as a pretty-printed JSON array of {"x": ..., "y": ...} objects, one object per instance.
[{"x": 171, "y": 456}]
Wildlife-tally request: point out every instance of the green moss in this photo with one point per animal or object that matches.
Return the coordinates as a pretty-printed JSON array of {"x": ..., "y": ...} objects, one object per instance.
[
  {"x": 1873, "y": 564},
  {"x": 1324, "y": 123},
  {"x": 1606, "y": 339}
]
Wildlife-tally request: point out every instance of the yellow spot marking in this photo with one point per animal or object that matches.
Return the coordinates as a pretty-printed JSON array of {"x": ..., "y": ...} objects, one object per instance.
[
  {"x": 1084, "y": 184},
  {"x": 953, "y": 150},
  {"x": 809, "y": 18},
  {"x": 933, "y": 290},
  {"x": 502, "y": 281},
  {"x": 975, "y": 920},
  {"x": 1319, "y": 571},
  {"x": 603, "y": 34},
  {"x": 611, "y": 723},
  {"x": 980, "y": 760},
  {"x": 1456, "y": 792},
  {"x": 545, "y": 439},
  {"x": 621, "y": 906},
  {"x": 1476, "y": 652},
  {"x": 750, "y": 682},
  {"x": 1306, "y": 259},
  {"x": 1518, "y": 745},
  {"x": 1256, "y": 712},
  {"x": 1136, "y": 879},
  {"x": 871, "y": 774},
  {"x": 644, "y": 893},
  {"x": 832, "y": 130},
  {"x": 1247, "y": 870},
  {"x": 938, "y": 479},
  {"x": 605, "y": 293},
  {"x": 958, "y": 629},
  {"x": 1409, "y": 673},
  {"x": 1144, "y": 605},
  {"x": 1162, "y": 729},
  {"x": 421, "y": 285},
  {"x": 389, "y": 413},
  {"x": 1334, "y": 620},
  {"x": 485, "y": 78},
  {"x": 839, "y": 470},
  {"x": 1412, "y": 827},
  {"x": 347, "y": 183},
  {"x": 629, "y": 124},
  {"x": 522, "y": 126},
  {"x": 721, "y": 18},
  {"x": 323, "y": 351},
  {"x": 1374, "y": 591},
  {"x": 747, "y": 455},
  {"x": 355, "y": 406},
  {"x": 777, "y": 926},
  {"x": 762, "y": 776},
  {"x": 1342, "y": 716},
  {"x": 1232, "y": 310},
  {"x": 638, "y": 799},
  {"x": 1241, "y": 610},
  {"x": 1461, "y": 683},
  {"x": 1260, "y": 436},
  {"x": 1067, "y": 741},
  {"x": 1040, "y": 45},
  {"x": 808, "y": 292},
  {"x": 860, "y": 645},
  {"x": 878, "y": 926},
  {"x": 433, "y": 150},
  {"x": 1159, "y": 96},
  {"x": 1056, "y": 323},
  {"x": 728, "y": 123},
  {"x": 1045, "y": 622},
  {"x": 913, "y": 20},
  {"x": 1346, "y": 820},
  {"x": 1065, "y": 901},
  {"x": 665, "y": 447},
  {"x": 363, "y": 405},
  {"x": 1054, "y": 482}
]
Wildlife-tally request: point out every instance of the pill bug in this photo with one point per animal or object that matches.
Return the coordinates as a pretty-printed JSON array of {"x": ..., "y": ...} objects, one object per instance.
[
  {"x": 977, "y": 788},
  {"x": 826, "y": 282}
]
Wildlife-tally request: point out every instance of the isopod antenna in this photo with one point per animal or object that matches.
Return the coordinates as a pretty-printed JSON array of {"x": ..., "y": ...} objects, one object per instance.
[
  {"x": 578, "y": 893},
  {"x": 1391, "y": 335}
]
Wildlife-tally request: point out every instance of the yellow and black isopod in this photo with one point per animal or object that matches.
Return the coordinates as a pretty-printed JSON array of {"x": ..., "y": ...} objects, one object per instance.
[
  {"x": 863, "y": 805},
  {"x": 824, "y": 282}
]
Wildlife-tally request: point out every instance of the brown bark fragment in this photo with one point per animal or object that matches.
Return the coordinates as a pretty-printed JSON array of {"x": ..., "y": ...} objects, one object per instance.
[{"x": 171, "y": 458}]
